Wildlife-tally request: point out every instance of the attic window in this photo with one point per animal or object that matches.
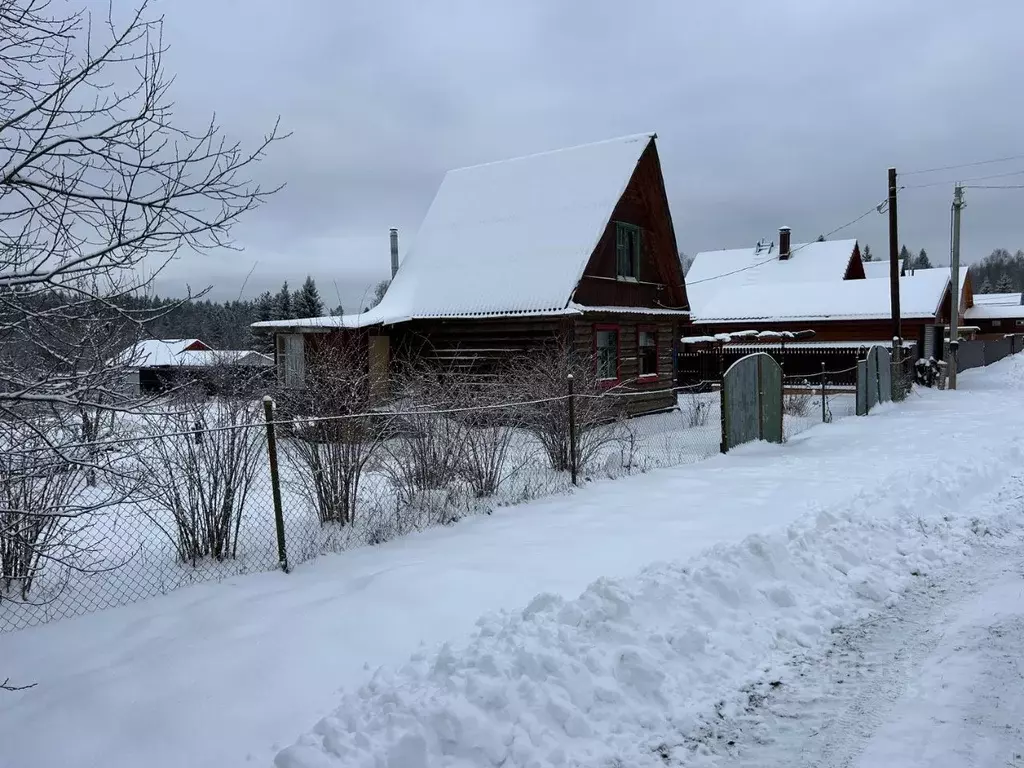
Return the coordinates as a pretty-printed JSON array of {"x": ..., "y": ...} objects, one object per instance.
[{"x": 627, "y": 251}]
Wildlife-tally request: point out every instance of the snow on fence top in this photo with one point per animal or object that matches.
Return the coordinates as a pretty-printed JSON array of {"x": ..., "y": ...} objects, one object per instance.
[
  {"x": 505, "y": 238},
  {"x": 718, "y": 272},
  {"x": 920, "y": 297}
]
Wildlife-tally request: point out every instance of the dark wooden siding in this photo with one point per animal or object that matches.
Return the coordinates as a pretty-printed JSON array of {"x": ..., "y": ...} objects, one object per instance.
[
  {"x": 639, "y": 395},
  {"x": 660, "y": 282}
]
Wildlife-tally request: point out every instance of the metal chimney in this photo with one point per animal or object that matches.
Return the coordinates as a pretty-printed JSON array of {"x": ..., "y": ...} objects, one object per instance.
[
  {"x": 783, "y": 243},
  {"x": 394, "y": 252}
]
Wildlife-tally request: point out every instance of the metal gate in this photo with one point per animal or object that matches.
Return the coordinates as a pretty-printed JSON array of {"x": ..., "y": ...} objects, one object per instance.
[
  {"x": 752, "y": 401},
  {"x": 874, "y": 380}
]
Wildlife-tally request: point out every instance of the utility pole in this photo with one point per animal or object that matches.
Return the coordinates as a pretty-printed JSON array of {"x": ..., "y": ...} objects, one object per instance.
[
  {"x": 954, "y": 286},
  {"x": 894, "y": 256}
]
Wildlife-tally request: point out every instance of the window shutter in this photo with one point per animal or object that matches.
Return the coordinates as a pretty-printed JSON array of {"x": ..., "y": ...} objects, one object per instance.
[
  {"x": 620, "y": 250},
  {"x": 636, "y": 256}
]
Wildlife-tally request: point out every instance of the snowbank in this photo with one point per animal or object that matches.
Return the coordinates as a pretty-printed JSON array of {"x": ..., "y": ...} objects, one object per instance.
[{"x": 620, "y": 675}]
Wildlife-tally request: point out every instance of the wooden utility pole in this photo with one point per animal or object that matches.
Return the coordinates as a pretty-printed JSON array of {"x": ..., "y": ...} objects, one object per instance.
[
  {"x": 894, "y": 256},
  {"x": 954, "y": 287}
]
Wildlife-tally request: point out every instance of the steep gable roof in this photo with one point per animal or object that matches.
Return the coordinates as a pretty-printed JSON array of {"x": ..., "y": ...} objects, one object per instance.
[
  {"x": 716, "y": 272},
  {"x": 506, "y": 238}
]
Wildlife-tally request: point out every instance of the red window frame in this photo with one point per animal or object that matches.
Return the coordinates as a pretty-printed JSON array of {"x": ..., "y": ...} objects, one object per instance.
[
  {"x": 653, "y": 330},
  {"x": 618, "y": 354}
]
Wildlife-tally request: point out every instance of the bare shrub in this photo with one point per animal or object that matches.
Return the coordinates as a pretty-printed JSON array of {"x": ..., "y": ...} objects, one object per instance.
[
  {"x": 543, "y": 377},
  {"x": 331, "y": 451},
  {"x": 489, "y": 458},
  {"x": 796, "y": 403},
  {"x": 696, "y": 409},
  {"x": 40, "y": 514},
  {"x": 200, "y": 463},
  {"x": 427, "y": 449}
]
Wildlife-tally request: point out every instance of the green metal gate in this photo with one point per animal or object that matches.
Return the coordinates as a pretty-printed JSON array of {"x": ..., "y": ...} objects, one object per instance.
[{"x": 752, "y": 401}]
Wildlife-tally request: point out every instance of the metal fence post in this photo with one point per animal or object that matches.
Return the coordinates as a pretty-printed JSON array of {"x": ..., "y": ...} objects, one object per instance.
[
  {"x": 572, "y": 430},
  {"x": 275, "y": 481},
  {"x": 823, "y": 418}
]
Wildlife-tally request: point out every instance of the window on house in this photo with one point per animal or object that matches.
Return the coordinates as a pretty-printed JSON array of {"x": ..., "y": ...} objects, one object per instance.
[
  {"x": 607, "y": 354},
  {"x": 627, "y": 251},
  {"x": 996, "y": 323},
  {"x": 293, "y": 359},
  {"x": 647, "y": 353},
  {"x": 1020, "y": 322}
]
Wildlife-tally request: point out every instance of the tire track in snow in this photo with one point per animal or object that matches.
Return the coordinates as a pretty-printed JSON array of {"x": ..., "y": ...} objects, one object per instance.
[{"x": 831, "y": 702}]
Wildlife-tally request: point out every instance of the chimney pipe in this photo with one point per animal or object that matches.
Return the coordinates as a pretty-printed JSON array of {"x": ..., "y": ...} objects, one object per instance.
[
  {"x": 783, "y": 243},
  {"x": 394, "y": 252}
]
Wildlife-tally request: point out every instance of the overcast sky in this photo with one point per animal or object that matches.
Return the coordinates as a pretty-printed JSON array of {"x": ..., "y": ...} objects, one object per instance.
[{"x": 768, "y": 112}]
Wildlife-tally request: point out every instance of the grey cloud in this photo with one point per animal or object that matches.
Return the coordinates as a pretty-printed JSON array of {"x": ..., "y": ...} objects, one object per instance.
[{"x": 768, "y": 113}]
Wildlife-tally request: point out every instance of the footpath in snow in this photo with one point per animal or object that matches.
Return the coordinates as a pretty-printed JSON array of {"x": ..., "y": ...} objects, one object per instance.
[{"x": 614, "y": 658}]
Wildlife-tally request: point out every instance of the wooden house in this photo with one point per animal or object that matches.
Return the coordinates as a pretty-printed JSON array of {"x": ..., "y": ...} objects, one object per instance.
[
  {"x": 819, "y": 287},
  {"x": 159, "y": 365},
  {"x": 996, "y": 314},
  {"x": 575, "y": 246}
]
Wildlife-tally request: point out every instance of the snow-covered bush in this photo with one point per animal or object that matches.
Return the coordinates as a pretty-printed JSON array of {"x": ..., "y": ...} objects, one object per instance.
[
  {"x": 926, "y": 372},
  {"x": 488, "y": 460}
]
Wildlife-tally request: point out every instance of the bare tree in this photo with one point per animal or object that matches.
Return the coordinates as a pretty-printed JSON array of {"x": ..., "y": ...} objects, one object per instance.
[
  {"x": 489, "y": 456},
  {"x": 99, "y": 189},
  {"x": 330, "y": 451}
]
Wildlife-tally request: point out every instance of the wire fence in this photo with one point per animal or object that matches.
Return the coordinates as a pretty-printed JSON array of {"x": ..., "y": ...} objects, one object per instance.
[{"x": 208, "y": 489}]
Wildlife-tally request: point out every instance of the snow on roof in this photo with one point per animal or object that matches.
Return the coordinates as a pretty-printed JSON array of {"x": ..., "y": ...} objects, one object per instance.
[
  {"x": 208, "y": 357},
  {"x": 835, "y": 299},
  {"x": 506, "y": 238},
  {"x": 721, "y": 272},
  {"x": 157, "y": 352},
  {"x": 993, "y": 311},
  {"x": 876, "y": 269},
  {"x": 987, "y": 299}
]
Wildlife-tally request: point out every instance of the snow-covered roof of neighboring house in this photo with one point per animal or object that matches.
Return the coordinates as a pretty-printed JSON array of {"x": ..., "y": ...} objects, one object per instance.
[
  {"x": 920, "y": 297},
  {"x": 994, "y": 311},
  {"x": 162, "y": 353},
  {"x": 505, "y": 238},
  {"x": 988, "y": 299},
  {"x": 876, "y": 269},
  {"x": 721, "y": 272},
  {"x": 158, "y": 352}
]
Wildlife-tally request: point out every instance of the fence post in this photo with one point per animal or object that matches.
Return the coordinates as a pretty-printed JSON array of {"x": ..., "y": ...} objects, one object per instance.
[
  {"x": 572, "y": 430},
  {"x": 275, "y": 481},
  {"x": 823, "y": 419}
]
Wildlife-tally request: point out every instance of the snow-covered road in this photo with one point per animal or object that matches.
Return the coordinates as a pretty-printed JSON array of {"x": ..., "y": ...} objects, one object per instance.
[{"x": 767, "y": 550}]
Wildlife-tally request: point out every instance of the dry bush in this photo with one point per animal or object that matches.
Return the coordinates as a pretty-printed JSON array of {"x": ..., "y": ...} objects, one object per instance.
[
  {"x": 331, "y": 450},
  {"x": 696, "y": 409},
  {"x": 200, "y": 462},
  {"x": 489, "y": 458},
  {"x": 40, "y": 513},
  {"x": 426, "y": 450},
  {"x": 796, "y": 403},
  {"x": 543, "y": 376}
]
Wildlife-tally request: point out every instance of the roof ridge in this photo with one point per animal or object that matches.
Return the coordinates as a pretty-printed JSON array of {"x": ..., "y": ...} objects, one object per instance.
[{"x": 632, "y": 137}]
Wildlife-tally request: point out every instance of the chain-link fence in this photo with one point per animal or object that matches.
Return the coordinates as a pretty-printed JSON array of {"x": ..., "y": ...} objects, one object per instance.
[{"x": 193, "y": 493}]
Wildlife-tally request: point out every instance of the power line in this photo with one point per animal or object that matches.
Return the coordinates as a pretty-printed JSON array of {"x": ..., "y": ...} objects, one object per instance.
[
  {"x": 963, "y": 165},
  {"x": 993, "y": 186},
  {"x": 875, "y": 208},
  {"x": 972, "y": 178}
]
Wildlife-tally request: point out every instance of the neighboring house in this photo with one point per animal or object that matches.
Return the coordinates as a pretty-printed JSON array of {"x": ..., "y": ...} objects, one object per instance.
[
  {"x": 996, "y": 314},
  {"x": 722, "y": 273},
  {"x": 575, "y": 246},
  {"x": 875, "y": 269},
  {"x": 156, "y": 365},
  {"x": 827, "y": 294}
]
